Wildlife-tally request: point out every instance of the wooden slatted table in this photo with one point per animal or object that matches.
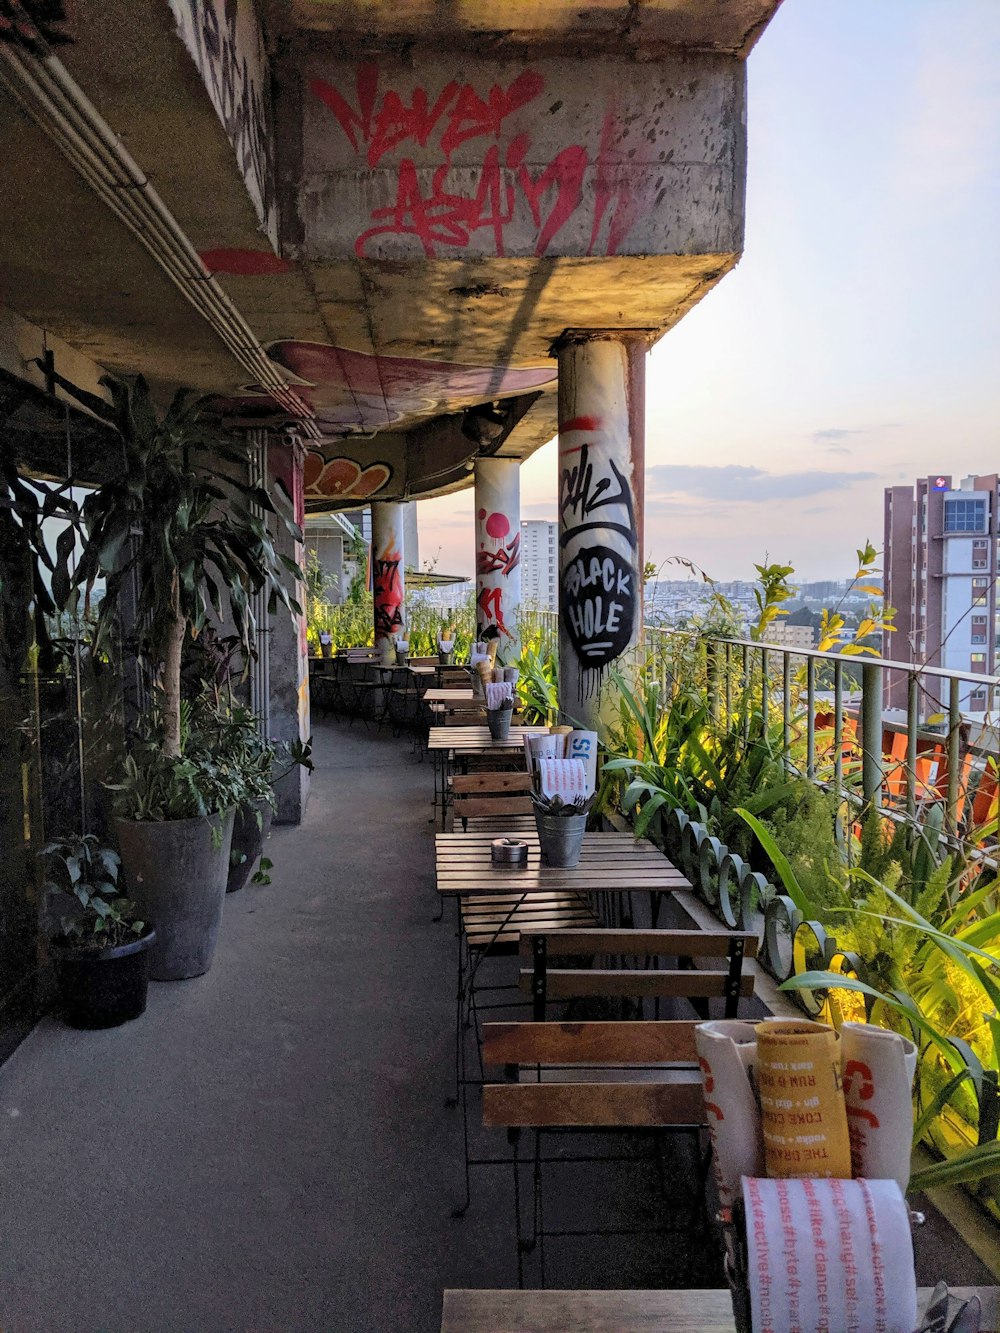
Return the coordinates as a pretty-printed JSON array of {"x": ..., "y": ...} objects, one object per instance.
[
  {"x": 609, "y": 863},
  {"x": 618, "y": 1311},
  {"x": 477, "y": 740},
  {"x": 448, "y": 744},
  {"x": 449, "y": 694}
]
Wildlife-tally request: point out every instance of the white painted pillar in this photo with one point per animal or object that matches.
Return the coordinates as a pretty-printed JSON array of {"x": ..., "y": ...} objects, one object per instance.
[
  {"x": 387, "y": 575},
  {"x": 601, "y": 465},
  {"x": 498, "y": 552}
]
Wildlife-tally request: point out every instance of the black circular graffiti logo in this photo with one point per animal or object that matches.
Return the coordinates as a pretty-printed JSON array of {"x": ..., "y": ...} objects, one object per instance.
[{"x": 598, "y": 604}]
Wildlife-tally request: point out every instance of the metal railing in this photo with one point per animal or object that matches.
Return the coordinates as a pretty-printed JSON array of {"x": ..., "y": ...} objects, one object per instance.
[{"x": 904, "y": 758}]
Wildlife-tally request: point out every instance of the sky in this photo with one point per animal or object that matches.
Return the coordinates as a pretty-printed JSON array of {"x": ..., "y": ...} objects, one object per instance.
[{"x": 857, "y": 343}]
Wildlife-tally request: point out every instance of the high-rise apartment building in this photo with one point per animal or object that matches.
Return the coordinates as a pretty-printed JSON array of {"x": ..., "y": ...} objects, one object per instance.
[
  {"x": 540, "y": 564},
  {"x": 940, "y": 575}
]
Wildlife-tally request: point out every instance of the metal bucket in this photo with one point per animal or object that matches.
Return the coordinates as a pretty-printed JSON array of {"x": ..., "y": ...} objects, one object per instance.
[
  {"x": 401, "y": 656},
  {"x": 444, "y": 659},
  {"x": 498, "y": 720},
  {"x": 561, "y": 838}
]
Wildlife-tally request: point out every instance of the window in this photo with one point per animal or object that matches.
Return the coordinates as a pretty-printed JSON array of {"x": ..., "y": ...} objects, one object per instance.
[
  {"x": 978, "y": 662},
  {"x": 980, "y": 553},
  {"x": 965, "y": 515},
  {"x": 977, "y": 701},
  {"x": 979, "y": 629},
  {"x": 980, "y": 591}
]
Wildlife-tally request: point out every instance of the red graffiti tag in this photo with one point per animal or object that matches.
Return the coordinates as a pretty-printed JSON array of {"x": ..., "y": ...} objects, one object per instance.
[
  {"x": 491, "y": 605},
  {"x": 501, "y": 561},
  {"x": 426, "y": 205},
  {"x": 388, "y": 594}
]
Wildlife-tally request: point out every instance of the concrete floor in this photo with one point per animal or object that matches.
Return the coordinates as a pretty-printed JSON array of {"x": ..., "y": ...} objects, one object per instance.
[{"x": 268, "y": 1148}]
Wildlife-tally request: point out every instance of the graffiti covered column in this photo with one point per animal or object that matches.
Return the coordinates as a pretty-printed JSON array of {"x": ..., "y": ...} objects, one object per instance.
[
  {"x": 601, "y": 462},
  {"x": 498, "y": 552},
  {"x": 387, "y": 575}
]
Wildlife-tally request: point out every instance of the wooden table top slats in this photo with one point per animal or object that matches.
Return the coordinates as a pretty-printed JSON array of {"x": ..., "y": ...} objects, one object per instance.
[
  {"x": 463, "y": 740},
  {"x": 609, "y": 862},
  {"x": 449, "y": 694},
  {"x": 617, "y": 1311}
]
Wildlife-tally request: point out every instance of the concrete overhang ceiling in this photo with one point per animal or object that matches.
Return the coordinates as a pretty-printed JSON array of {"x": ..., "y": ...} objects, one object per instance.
[
  {"x": 404, "y": 236},
  {"x": 644, "y": 28}
]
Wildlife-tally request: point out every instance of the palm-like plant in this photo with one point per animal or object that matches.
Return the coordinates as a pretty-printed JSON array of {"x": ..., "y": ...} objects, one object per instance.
[{"x": 177, "y": 521}]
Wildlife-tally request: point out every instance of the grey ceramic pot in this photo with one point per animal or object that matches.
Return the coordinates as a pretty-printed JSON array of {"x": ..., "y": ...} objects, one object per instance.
[
  {"x": 249, "y": 833},
  {"x": 176, "y": 873}
]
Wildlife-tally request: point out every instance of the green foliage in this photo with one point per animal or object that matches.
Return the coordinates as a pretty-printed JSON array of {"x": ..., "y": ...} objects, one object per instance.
[
  {"x": 320, "y": 610},
  {"x": 774, "y": 589},
  {"x": 159, "y": 786},
  {"x": 176, "y": 521},
  {"x": 351, "y": 623},
  {"x": 27, "y": 605},
  {"x": 81, "y": 886},
  {"x": 804, "y": 828},
  {"x": 877, "y": 620},
  {"x": 538, "y": 682}
]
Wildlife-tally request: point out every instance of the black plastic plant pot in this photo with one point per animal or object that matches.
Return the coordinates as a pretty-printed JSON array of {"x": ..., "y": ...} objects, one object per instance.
[{"x": 102, "y": 988}]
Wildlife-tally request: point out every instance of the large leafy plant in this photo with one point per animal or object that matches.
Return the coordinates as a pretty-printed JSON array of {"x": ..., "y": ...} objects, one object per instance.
[{"x": 177, "y": 521}]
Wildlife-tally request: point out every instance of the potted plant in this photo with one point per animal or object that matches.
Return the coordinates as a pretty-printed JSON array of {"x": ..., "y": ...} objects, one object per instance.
[
  {"x": 98, "y": 945},
  {"x": 177, "y": 523},
  {"x": 229, "y": 733}
]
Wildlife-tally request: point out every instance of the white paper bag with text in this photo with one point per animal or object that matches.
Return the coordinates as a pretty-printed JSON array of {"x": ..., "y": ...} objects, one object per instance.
[
  {"x": 825, "y": 1256},
  {"x": 726, "y": 1051},
  {"x": 877, "y": 1067}
]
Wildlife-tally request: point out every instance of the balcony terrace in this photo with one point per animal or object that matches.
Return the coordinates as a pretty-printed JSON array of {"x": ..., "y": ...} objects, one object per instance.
[{"x": 269, "y": 1147}]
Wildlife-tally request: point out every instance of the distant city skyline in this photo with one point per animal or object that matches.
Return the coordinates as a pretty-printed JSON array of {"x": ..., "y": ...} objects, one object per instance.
[{"x": 855, "y": 345}]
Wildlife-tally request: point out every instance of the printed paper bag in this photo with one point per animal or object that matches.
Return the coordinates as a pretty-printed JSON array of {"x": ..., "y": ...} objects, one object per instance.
[
  {"x": 827, "y": 1256},
  {"x": 877, "y": 1070},
  {"x": 803, "y": 1115},
  {"x": 726, "y": 1051},
  {"x": 583, "y": 745}
]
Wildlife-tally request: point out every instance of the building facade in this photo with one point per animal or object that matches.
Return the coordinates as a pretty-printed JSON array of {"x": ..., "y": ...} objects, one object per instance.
[
  {"x": 940, "y": 575},
  {"x": 539, "y": 564}
]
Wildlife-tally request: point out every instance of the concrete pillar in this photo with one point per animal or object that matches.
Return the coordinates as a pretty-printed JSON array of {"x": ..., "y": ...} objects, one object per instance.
[
  {"x": 411, "y": 535},
  {"x": 498, "y": 552},
  {"x": 601, "y": 461},
  {"x": 287, "y": 676},
  {"x": 387, "y": 575}
]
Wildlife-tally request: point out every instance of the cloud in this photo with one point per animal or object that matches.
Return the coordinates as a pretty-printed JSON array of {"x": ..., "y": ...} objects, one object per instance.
[
  {"x": 738, "y": 482},
  {"x": 834, "y": 438},
  {"x": 833, "y": 435}
]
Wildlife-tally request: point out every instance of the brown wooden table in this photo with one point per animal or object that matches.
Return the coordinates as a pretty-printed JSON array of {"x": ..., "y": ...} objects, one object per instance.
[
  {"x": 609, "y": 863},
  {"x": 448, "y": 744},
  {"x": 449, "y": 694},
  {"x": 477, "y": 740},
  {"x": 623, "y": 1311}
]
